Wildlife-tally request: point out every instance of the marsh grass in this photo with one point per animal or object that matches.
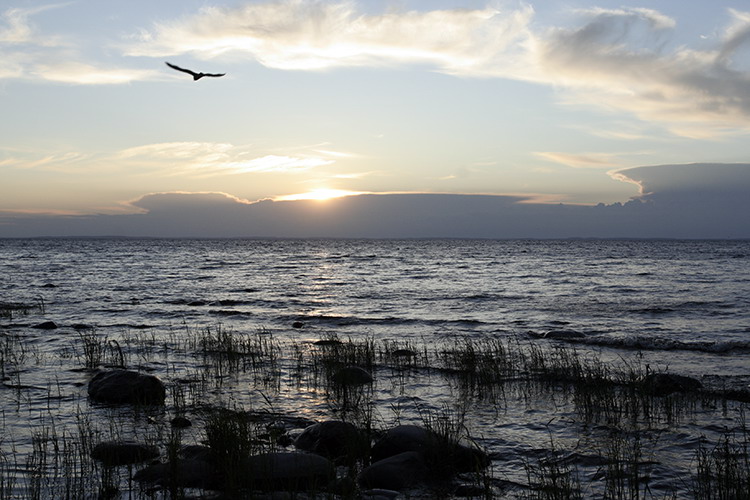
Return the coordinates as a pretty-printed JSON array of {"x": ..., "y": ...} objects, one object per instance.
[
  {"x": 608, "y": 395},
  {"x": 723, "y": 470},
  {"x": 229, "y": 352},
  {"x": 13, "y": 354},
  {"x": 100, "y": 350},
  {"x": 552, "y": 476}
]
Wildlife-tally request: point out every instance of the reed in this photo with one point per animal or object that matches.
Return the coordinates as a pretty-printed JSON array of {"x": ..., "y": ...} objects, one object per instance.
[
  {"x": 723, "y": 470},
  {"x": 551, "y": 476}
]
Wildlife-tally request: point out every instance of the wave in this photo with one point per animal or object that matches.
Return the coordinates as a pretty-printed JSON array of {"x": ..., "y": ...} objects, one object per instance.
[
  {"x": 646, "y": 343},
  {"x": 343, "y": 320}
]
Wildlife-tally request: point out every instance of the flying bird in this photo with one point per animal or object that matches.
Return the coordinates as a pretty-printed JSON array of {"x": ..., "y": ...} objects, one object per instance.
[{"x": 196, "y": 76}]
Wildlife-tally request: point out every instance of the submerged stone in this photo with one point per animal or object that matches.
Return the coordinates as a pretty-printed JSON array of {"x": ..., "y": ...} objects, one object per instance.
[
  {"x": 289, "y": 471},
  {"x": 664, "y": 384},
  {"x": 47, "y": 325},
  {"x": 398, "y": 472},
  {"x": 442, "y": 455},
  {"x": 180, "y": 422},
  {"x": 183, "y": 473},
  {"x": 352, "y": 375},
  {"x": 333, "y": 439},
  {"x": 126, "y": 387},
  {"x": 114, "y": 453}
]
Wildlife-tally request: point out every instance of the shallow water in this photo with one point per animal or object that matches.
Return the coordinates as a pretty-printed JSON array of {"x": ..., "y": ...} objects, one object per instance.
[{"x": 681, "y": 306}]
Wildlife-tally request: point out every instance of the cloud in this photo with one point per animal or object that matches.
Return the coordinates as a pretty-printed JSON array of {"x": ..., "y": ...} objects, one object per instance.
[
  {"x": 192, "y": 159},
  {"x": 86, "y": 74},
  {"x": 615, "y": 59},
  {"x": 585, "y": 160},
  {"x": 30, "y": 54},
  {"x": 723, "y": 181},
  {"x": 619, "y": 60},
  {"x": 678, "y": 201},
  {"x": 208, "y": 158},
  {"x": 317, "y": 35}
]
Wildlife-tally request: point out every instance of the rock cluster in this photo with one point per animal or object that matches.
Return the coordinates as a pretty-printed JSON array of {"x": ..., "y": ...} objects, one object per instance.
[{"x": 404, "y": 457}]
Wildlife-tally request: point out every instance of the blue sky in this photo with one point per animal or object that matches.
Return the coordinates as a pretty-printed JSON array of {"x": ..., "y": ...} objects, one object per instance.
[{"x": 543, "y": 100}]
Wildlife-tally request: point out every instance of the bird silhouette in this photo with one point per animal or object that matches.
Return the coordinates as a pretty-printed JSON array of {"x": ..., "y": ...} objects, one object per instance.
[{"x": 196, "y": 76}]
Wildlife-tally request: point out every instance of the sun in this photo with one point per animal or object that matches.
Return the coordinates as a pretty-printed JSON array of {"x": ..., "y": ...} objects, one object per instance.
[{"x": 321, "y": 194}]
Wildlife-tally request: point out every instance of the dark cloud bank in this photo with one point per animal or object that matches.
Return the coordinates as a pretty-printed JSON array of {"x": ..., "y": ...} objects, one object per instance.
[{"x": 677, "y": 201}]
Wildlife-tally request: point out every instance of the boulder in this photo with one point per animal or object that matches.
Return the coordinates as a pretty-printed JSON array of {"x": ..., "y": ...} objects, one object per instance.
[
  {"x": 187, "y": 473},
  {"x": 126, "y": 387},
  {"x": 664, "y": 384},
  {"x": 399, "y": 472},
  {"x": 113, "y": 453},
  {"x": 333, "y": 439},
  {"x": 352, "y": 375},
  {"x": 47, "y": 325},
  {"x": 180, "y": 422},
  {"x": 290, "y": 471},
  {"x": 440, "y": 453}
]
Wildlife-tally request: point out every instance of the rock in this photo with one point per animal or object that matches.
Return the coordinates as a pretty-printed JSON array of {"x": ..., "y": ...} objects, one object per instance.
[
  {"x": 187, "y": 473},
  {"x": 196, "y": 452},
  {"x": 398, "y": 472},
  {"x": 563, "y": 334},
  {"x": 291, "y": 471},
  {"x": 379, "y": 494},
  {"x": 123, "y": 452},
  {"x": 664, "y": 384},
  {"x": 126, "y": 387},
  {"x": 180, "y": 422},
  {"x": 298, "y": 324},
  {"x": 327, "y": 342},
  {"x": 352, "y": 375},
  {"x": 403, "y": 353},
  {"x": 333, "y": 439},
  {"x": 442, "y": 455},
  {"x": 47, "y": 325}
]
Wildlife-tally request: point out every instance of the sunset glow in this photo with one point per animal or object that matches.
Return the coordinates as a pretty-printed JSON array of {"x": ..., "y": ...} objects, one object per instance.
[
  {"x": 319, "y": 195},
  {"x": 319, "y": 100}
]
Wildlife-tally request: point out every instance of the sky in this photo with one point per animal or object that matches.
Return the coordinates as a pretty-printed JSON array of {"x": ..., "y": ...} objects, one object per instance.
[{"x": 536, "y": 105}]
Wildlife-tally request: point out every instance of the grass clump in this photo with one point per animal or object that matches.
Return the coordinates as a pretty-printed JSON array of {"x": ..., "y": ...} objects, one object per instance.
[{"x": 723, "y": 471}]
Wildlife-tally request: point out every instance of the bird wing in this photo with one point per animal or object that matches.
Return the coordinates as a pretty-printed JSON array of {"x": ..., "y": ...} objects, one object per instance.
[
  {"x": 214, "y": 74},
  {"x": 180, "y": 69}
]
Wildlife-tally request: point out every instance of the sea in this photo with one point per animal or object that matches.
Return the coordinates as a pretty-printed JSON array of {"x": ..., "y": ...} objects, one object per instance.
[{"x": 673, "y": 306}]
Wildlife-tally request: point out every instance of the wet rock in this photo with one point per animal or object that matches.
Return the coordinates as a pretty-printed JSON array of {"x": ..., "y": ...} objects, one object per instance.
[
  {"x": 352, "y": 375},
  {"x": 47, "y": 325},
  {"x": 379, "y": 494},
  {"x": 403, "y": 353},
  {"x": 290, "y": 471},
  {"x": 196, "y": 452},
  {"x": 114, "y": 453},
  {"x": 442, "y": 455},
  {"x": 333, "y": 439},
  {"x": 180, "y": 422},
  {"x": 184, "y": 473},
  {"x": 563, "y": 334},
  {"x": 126, "y": 387},
  {"x": 664, "y": 384},
  {"x": 398, "y": 472},
  {"x": 327, "y": 342},
  {"x": 470, "y": 491}
]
